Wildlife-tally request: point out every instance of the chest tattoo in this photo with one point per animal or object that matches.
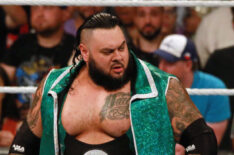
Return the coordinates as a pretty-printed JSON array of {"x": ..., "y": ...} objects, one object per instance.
[{"x": 116, "y": 107}]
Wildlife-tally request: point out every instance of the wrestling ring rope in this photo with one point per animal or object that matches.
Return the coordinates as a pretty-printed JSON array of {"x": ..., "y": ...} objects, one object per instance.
[
  {"x": 228, "y": 92},
  {"x": 180, "y": 3}
]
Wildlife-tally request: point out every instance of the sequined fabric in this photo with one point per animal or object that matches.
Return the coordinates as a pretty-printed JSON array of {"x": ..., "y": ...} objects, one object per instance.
[{"x": 150, "y": 118}]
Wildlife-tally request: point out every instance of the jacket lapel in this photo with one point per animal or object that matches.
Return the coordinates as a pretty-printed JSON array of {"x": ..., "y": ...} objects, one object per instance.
[{"x": 145, "y": 85}]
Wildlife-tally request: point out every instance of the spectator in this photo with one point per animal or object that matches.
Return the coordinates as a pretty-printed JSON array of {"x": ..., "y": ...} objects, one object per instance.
[
  {"x": 221, "y": 64},
  {"x": 126, "y": 16},
  {"x": 9, "y": 113},
  {"x": 32, "y": 55},
  {"x": 215, "y": 32},
  {"x": 78, "y": 15},
  {"x": 178, "y": 56},
  {"x": 11, "y": 19},
  {"x": 169, "y": 21},
  {"x": 148, "y": 21},
  {"x": 191, "y": 22}
]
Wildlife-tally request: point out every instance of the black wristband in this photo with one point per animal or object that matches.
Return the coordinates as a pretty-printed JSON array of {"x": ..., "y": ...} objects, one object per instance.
[
  {"x": 25, "y": 142},
  {"x": 199, "y": 138}
]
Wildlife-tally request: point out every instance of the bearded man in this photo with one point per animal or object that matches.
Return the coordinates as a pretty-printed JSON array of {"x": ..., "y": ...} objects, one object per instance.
[
  {"x": 111, "y": 103},
  {"x": 148, "y": 22}
]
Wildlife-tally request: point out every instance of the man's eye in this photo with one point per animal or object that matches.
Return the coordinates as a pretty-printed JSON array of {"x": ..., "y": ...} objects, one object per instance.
[
  {"x": 121, "y": 48},
  {"x": 141, "y": 14},
  {"x": 106, "y": 52}
]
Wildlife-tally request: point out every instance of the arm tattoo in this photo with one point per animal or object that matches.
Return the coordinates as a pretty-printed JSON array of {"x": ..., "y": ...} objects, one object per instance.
[
  {"x": 34, "y": 112},
  {"x": 116, "y": 107},
  {"x": 181, "y": 109}
]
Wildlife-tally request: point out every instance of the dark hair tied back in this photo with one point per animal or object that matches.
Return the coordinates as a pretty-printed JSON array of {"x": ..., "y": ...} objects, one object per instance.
[{"x": 100, "y": 20}]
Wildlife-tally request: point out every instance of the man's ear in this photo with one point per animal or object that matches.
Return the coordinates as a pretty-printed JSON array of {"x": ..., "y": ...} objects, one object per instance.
[
  {"x": 84, "y": 52},
  {"x": 189, "y": 65}
]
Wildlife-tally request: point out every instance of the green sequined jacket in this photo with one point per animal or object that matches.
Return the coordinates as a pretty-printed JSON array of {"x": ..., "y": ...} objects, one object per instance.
[{"x": 151, "y": 132}]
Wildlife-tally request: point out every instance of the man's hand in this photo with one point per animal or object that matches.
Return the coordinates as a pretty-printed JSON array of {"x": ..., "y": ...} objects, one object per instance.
[
  {"x": 179, "y": 149},
  {"x": 6, "y": 138}
]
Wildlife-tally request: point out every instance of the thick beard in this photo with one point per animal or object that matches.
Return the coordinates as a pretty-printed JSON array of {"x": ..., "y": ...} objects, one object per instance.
[
  {"x": 106, "y": 81},
  {"x": 150, "y": 37},
  {"x": 48, "y": 32}
]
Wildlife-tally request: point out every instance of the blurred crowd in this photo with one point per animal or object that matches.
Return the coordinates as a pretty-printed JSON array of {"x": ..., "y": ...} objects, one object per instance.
[{"x": 35, "y": 39}]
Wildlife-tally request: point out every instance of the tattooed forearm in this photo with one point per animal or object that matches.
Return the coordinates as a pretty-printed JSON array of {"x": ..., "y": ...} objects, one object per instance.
[
  {"x": 116, "y": 107},
  {"x": 181, "y": 109}
]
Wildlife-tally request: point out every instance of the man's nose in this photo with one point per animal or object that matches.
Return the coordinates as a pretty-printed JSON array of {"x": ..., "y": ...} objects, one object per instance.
[
  {"x": 117, "y": 55},
  {"x": 147, "y": 19},
  {"x": 39, "y": 11}
]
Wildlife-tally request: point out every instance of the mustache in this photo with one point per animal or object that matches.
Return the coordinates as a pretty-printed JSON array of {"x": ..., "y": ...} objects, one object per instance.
[
  {"x": 148, "y": 25},
  {"x": 118, "y": 64}
]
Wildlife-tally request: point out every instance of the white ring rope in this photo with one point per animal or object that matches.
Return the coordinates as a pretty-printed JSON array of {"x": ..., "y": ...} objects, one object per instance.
[
  {"x": 15, "y": 90},
  {"x": 25, "y": 90},
  {"x": 227, "y": 92},
  {"x": 187, "y": 3}
]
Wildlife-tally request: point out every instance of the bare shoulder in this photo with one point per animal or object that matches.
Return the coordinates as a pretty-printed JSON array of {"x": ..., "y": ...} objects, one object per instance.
[
  {"x": 34, "y": 114},
  {"x": 181, "y": 109}
]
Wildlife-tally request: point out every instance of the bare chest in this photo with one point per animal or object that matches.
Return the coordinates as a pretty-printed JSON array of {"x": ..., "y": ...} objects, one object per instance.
[{"x": 96, "y": 113}]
